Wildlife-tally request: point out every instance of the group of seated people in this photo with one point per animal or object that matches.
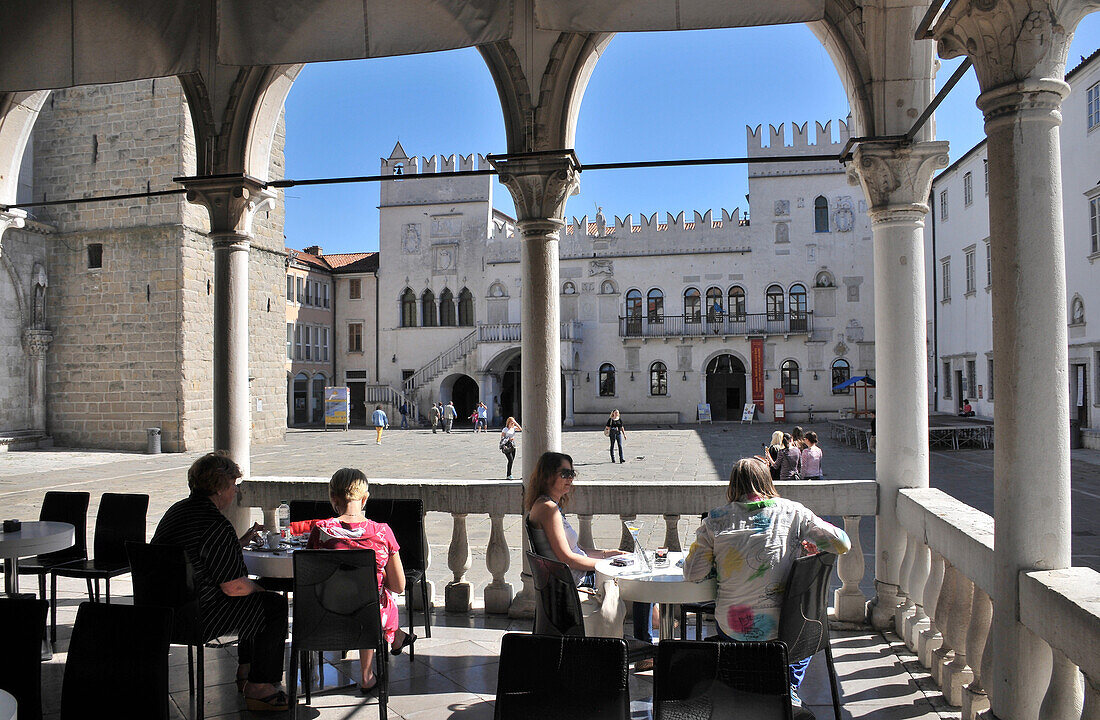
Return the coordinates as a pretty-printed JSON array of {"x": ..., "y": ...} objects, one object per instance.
[{"x": 748, "y": 545}]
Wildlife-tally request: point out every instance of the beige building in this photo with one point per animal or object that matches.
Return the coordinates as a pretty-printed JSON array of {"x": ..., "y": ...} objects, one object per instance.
[{"x": 309, "y": 356}]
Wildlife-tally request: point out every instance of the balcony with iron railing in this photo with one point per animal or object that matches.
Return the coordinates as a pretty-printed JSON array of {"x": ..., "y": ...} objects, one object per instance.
[{"x": 719, "y": 324}]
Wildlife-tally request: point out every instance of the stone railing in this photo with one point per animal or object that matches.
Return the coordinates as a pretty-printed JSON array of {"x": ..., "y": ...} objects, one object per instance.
[
  {"x": 850, "y": 499},
  {"x": 946, "y": 610}
]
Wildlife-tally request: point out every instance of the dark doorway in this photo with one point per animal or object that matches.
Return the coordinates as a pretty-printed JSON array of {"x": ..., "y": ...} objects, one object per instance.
[
  {"x": 509, "y": 392},
  {"x": 958, "y": 391},
  {"x": 464, "y": 396},
  {"x": 357, "y": 397},
  {"x": 301, "y": 400},
  {"x": 725, "y": 387},
  {"x": 1081, "y": 398}
]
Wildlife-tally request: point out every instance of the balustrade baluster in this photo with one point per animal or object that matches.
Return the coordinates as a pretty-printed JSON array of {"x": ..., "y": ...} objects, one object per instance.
[
  {"x": 958, "y": 673},
  {"x": 946, "y": 620},
  {"x": 1065, "y": 693},
  {"x": 672, "y": 534},
  {"x": 851, "y": 605},
  {"x": 974, "y": 698},
  {"x": 584, "y": 535},
  {"x": 918, "y": 584},
  {"x": 929, "y": 639},
  {"x": 498, "y": 593},
  {"x": 626, "y": 542},
  {"x": 456, "y": 596},
  {"x": 905, "y": 606}
]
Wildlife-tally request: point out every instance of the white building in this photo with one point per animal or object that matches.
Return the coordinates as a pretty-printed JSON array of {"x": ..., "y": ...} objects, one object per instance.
[
  {"x": 960, "y": 277},
  {"x": 659, "y": 314}
]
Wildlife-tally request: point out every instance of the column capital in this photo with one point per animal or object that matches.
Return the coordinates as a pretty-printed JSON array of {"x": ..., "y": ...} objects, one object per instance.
[
  {"x": 540, "y": 183},
  {"x": 37, "y": 342},
  {"x": 896, "y": 178},
  {"x": 232, "y": 200},
  {"x": 1011, "y": 41},
  {"x": 11, "y": 218}
]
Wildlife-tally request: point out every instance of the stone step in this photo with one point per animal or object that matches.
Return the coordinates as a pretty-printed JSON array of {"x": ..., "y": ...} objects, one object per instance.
[{"x": 24, "y": 440}]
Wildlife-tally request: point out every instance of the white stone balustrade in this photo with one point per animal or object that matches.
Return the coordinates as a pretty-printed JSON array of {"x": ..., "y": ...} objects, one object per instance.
[
  {"x": 930, "y": 638},
  {"x": 974, "y": 697},
  {"x": 848, "y": 598}
]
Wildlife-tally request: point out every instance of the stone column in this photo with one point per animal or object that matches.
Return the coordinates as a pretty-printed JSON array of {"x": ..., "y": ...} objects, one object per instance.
[
  {"x": 896, "y": 179},
  {"x": 1019, "y": 48},
  {"x": 36, "y": 342},
  {"x": 570, "y": 384},
  {"x": 232, "y": 201}
]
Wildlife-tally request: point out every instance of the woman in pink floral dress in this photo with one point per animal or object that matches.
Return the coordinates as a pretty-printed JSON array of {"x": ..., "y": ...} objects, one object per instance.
[{"x": 351, "y": 530}]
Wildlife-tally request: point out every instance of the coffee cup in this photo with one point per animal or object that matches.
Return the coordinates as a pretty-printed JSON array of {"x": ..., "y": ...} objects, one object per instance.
[{"x": 272, "y": 539}]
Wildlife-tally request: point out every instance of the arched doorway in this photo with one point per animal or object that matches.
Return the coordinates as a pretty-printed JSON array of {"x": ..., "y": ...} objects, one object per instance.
[
  {"x": 301, "y": 399},
  {"x": 726, "y": 387},
  {"x": 464, "y": 395},
  {"x": 510, "y": 392}
]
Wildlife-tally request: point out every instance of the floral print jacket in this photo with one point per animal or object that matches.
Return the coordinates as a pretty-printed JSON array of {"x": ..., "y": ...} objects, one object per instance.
[{"x": 749, "y": 547}]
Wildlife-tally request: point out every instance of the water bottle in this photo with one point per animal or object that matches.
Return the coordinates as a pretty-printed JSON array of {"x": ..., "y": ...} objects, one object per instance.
[{"x": 283, "y": 518}]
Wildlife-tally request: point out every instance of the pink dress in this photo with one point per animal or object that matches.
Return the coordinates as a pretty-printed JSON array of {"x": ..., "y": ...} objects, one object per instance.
[{"x": 332, "y": 534}]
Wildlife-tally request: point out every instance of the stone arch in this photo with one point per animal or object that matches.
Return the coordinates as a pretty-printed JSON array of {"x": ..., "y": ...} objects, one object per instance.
[{"x": 18, "y": 113}]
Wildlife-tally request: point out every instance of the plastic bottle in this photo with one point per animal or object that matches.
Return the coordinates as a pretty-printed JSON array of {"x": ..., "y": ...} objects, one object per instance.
[{"x": 283, "y": 515}]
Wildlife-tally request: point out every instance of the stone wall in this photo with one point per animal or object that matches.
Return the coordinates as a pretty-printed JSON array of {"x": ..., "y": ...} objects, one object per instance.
[{"x": 21, "y": 251}]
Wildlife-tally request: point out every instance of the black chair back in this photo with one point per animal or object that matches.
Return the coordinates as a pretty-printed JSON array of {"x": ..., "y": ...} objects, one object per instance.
[
  {"x": 336, "y": 605},
  {"x": 120, "y": 519},
  {"x": 701, "y": 680},
  {"x": 23, "y": 625},
  {"x": 310, "y": 510},
  {"x": 163, "y": 577},
  {"x": 118, "y": 659},
  {"x": 536, "y": 536},
  {"x": 557, "y": 606},
  {"x": 406, "y": 519},
  {"x": 804, "y": 614},
  {"x": 542, "y": 677},
  {"x": 72, "y": 508}
]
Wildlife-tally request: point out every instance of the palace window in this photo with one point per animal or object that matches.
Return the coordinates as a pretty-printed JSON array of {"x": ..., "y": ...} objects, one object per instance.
[
  {"x": 714, "y": 305},
  {"x": 841, "y": 372},
  {"x": 465, "y": 308},
  {"x": 290, "y": 341},
  {"x": 943, "y": 205},
  {"x": 355, "y": 337},
  {"x": 429, "y": 318},
  {"x": 1094, "y": 222},
  {"x": 1093, "y": 105},
  {"x": 309, "y": 292},
  {"x": 655, "y": 306},
  {"x": 308, "y": 354},
  {"x": 988, "y": 265},
  {"x": 989, "y": 378},
  {"x": 798, "y": 307},
  {"x": 408, "y": 308},
  {"x": 447, "y": 316},
  {"x": 773, "y": 301},
  {"x": 324, "y": 344},
  {"x": 658, "y": 379},
  {"x": 945, "y": 380},
  {"x": 736, "y": 303},
  {"x": 325, "y": 288},
  {"x": 821, "y": 214},
  {"x": 297, "y": 342},
  {"x": 316, "y": 344},
  {"x": 290, "y": 288},
  {"x": 788, "y": 374},
  {"x": 945, "y": 276},
  {"x": 355, "y": 289},
  {"x": 985, "y": 173},
  {"x": 634, "y": 304},
  {"x": 971, "y": 271},
  {"x": 607, "y": 380},
  {"x": 968, "y": 189},
  {"x": 298, "y": 283},
  {"x": 971, "y": 377},
  {"x": 95, "y": 256},
  {"x": 692, "y": 306}
]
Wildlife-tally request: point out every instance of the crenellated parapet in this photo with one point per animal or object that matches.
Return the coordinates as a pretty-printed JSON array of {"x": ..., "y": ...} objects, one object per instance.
[
  {"x": 794, "y": 144},
  {"x": 431, "y": 163}
]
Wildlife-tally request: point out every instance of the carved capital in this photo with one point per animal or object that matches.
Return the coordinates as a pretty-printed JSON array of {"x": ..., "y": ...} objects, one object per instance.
[
  {"x": 232, "y": 200},
  {"x": 37, "y": 342},
  {"x": 896, "y": 179},
  {"x": 1011, "y": 41},
  {"x": 11, "y": 218},
  {"x": 540, "y": 184}
]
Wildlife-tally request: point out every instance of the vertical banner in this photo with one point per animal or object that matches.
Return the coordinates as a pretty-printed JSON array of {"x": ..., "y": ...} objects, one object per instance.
[
  {"x": 757, "y": 359},
  {"x": 336, "y": 407}
]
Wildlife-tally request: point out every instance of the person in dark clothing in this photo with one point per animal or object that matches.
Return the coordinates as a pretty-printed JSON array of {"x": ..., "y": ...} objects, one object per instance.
[
  {"x": 229, "y": 602},
  {"x": 613, "y": 428},
  {"x": 404, "y": 416}
]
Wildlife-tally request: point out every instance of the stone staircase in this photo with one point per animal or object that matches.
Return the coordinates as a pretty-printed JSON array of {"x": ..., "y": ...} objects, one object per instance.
[
  {"x": 446, "y": 359},
  {"x": 24, "y": 440}
]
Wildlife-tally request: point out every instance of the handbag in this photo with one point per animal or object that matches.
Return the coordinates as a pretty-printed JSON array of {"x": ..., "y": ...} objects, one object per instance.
[{"x": 606, "y": 430}]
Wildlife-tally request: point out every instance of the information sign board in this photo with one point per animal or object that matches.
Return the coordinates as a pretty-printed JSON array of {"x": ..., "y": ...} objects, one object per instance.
[
  {"x": 704, "y": 412},
  {"x": 336, "y": 407},
  {"x": 748, "y": 413}
]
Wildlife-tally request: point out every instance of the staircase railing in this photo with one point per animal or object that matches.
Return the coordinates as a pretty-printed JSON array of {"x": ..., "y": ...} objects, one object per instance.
[
  {"x": 441, "y": 362},
  {"x": 386, "y": 395}
]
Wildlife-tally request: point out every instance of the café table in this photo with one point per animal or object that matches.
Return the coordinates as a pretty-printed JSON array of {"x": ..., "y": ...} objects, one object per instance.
[
  {"x": 664, "y": 586},
  {"x": 270, "y": 563},
  {"x": 35, "y": 537},
  {"x": 9, "y": 707}
]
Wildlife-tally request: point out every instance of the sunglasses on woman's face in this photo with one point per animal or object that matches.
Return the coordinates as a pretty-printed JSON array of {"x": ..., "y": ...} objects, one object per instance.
[{"x": 567, "y": 473}]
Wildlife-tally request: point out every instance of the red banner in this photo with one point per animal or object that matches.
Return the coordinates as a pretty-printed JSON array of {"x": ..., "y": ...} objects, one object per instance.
[{"x": 757, "y": 359}]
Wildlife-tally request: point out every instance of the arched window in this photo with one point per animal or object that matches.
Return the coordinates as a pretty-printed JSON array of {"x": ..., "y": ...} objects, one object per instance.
[
  {"x": 715, "y": 311},
  {"x": 821, "y": 214},
  {"x": 773, "y": 301},
  {"x": 569, "y": 288},
  {"x": 736, "y": 304},
  {"x": 797, "y": 307},
  {"x": 655, "y": 306},
  {"x": 824, "y": 279},
  {"x": 447, "y": 308},
  {"x": 428, "y": 309},
  {"x": 607, "y": 380},
  {"x": 842, "y": 371},
  {"x": 465, "y": 308},
  {"x": 634, "y": 304},
  {"x": 788, "y": 374},
  {"x": 658, "y": 379},
  {"x": 408, "y": 308},
  {"x": 692, "y": 306}
]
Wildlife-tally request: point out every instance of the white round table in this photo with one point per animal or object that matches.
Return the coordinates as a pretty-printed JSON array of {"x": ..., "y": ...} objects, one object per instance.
[
  {"x": 9, "y": 708},
  {"x": 268, "y": 563},
  {"x": 33, "y": 538},
  {"x": 663, "y": 585}
]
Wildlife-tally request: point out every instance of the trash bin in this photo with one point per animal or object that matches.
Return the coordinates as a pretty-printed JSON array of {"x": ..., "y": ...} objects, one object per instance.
[
  {"x": 152, "y": 446},
  {"x": 1074, "y": 434}
]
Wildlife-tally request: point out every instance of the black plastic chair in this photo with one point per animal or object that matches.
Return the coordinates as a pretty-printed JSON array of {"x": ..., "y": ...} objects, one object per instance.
[
  {"x": 558, "y": 607},
  {"x": 22, "y": 625},
  {"x": 804, "y": 614},
  {"x": 309, "y": 510},
  {"x": 163, "y": 577},
  {"x": 406, "y": 519},
  {"x": 336, "y": 607},
  {"x": 117, "y": 662},
  {"x": 699, "y": 609},
  {"x": 119, "y": 520},
  {"x": 699, "y": 680},
  {"x": 546, "y": 678}
]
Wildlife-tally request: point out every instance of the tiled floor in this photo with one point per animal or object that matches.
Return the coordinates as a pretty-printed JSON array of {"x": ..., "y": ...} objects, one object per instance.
[{"x": 454, "y": 676}]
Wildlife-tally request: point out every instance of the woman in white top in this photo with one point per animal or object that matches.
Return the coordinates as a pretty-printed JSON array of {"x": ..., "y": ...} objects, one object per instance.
[
  {"x": 508, "y": 441},
  {"x": 544, "y": 500}
]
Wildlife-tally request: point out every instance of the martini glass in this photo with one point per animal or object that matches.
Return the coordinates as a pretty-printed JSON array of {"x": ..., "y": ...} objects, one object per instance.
[{"x": 634, "y": 528}]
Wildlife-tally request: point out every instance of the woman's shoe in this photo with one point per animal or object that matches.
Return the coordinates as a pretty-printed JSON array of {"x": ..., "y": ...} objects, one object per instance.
[
  {"x": 275, "y": 702},
  {"x": 407, "y": 641},
  {"x": 368, "y": 691}
]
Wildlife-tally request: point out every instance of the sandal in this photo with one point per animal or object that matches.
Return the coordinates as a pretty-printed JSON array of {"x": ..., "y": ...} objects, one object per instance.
[
  {"x": 406, "y": 642},
  {"x": 275, "y": 702},
  {"x": 368, "y": 691}
]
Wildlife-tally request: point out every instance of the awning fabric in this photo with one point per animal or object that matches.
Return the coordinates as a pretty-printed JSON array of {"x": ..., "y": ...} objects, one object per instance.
[
  {"x": 852, "y": 381},
  {"x": 650, "y": 15}
]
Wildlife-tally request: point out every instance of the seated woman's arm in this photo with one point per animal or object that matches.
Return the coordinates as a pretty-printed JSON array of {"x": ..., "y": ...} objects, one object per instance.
[
  {"x": 826, "y": 536},
  {"x": 545, "y": 514},
  {"x": 700, "y": 558},
  {"x": 393, "y": 575}
]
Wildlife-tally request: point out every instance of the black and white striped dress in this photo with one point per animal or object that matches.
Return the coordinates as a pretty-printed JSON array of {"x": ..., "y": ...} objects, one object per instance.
[{"x": 208, "y": 538}]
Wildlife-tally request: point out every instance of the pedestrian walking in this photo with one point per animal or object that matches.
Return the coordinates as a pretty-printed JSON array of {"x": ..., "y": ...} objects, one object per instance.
[
  {"x": 381, "y": 422},
  {"x": 508, "y": 441},
  {"x": 473, "y": 419},
  {"x": 614, "y": 429},
  {"x": 811, "y": 459},
  {"x": 483, "y": 416},
  {"x": 434, "y": 416},
  {"x": 449, "y": 415},
  {"x": 404, "y": 416}
]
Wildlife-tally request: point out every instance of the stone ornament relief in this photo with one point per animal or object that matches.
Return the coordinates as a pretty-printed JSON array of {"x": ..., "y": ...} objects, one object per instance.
[
  {"x": 843, "y": 216},
  {"x": 445, "y": 258},
  {"x": 445, "y": 226},
  {"x": 600, "y": 267},
  {"x": 897, "y": 178},
  {"x": 782, "y": 207},
  {"x": 410, "y": 238},
  {"x": 840, "y": 348}
]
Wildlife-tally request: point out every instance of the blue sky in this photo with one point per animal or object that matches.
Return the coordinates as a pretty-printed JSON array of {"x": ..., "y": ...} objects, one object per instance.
[{"x": 652, "y": 96}]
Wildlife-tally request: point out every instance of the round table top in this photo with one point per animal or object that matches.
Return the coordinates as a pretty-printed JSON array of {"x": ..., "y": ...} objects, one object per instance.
[
  {"x": 37, "y": 537},
  {"x": 661, "y": 585},
  {"x": 9, "y": 708},
  {"x": 272, "y": 564}
]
